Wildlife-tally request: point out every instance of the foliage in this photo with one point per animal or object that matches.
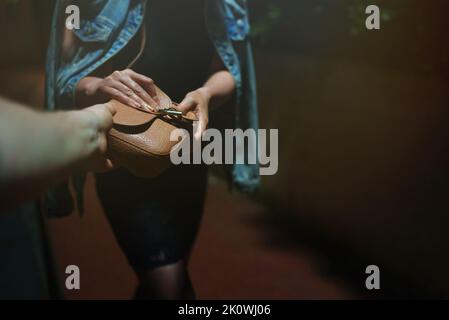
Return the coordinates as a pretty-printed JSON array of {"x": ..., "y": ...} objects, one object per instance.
[{"x": 266, "y": 15}]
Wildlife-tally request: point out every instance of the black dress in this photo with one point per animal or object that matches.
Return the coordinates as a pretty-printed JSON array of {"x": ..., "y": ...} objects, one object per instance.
[{"x": 156, "y": 220}]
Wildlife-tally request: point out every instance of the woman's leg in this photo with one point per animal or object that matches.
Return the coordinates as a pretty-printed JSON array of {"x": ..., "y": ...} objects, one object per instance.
[
  {"x": 156, "y": 222},
  {"x": 169, "y": 282}
]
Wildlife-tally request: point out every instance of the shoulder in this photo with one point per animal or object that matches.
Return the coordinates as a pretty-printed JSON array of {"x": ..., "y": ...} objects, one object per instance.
[{"x": 236, "y": 18}]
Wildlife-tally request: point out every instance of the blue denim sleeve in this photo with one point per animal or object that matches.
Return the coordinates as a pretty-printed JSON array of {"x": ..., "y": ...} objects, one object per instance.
[
  {"x": 229, "y": 23},
  {"x": 100, "y": 20},
  {"x": 237, "y": 20}
]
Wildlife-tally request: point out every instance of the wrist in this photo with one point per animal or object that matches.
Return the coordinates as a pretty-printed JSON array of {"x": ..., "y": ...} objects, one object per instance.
[
  {"x": 206, "y": 92},
  {"x": 86, "y": 90},
  {"x": 89, "y": 85}
]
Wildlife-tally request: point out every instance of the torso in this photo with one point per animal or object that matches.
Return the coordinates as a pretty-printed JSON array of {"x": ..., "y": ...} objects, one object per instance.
[{"x": 178, "y": 51}]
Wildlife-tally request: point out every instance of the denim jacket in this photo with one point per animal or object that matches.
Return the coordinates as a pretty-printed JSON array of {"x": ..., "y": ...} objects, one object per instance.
[{"x": 106, "y": 28}]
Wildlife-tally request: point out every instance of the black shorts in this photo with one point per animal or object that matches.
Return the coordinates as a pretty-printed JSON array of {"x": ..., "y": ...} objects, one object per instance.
[{"x": 154, "y": 220}]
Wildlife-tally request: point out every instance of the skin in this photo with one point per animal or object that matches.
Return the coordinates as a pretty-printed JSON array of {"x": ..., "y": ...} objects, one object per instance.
[
  {"x": 169, "y": 281},
  {"x": 217, "y": 90},
  {"x": 39, "y": 149},
  {"x": 139, "y": 90},
  {"x": 125, "y": 86}
]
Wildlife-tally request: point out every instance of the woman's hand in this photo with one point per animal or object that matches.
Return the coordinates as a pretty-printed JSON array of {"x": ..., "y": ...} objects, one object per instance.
[
  {"x": 126, "y": 86},
  {"x": 198, "y": 102}
]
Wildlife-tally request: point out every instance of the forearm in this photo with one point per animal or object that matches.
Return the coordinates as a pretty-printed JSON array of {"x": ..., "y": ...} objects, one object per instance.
[
  {"x": 35, "y": 149},
  {"x": 220, "y": 87}
]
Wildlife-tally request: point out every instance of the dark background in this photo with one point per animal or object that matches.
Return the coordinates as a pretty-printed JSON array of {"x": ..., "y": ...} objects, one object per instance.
[{"x": 363, "y": 173}]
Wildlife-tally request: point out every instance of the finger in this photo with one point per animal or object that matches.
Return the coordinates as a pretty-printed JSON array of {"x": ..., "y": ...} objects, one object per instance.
[
  {"x": 102, "y": 142},
  {"x": 102, "y": 116},
  {"x": 111, "y": 108},
  {"x": 109, "y": 164},
  {"x": 187, "y": 104},
  {"x": 147, "y": 101},
  {"x": 202, "y": 125},
  {"x": 102, "y": 165},
  {"x": 116, "y": 81},
  {"x": 118, "y": 85},
  {"x": 120, "y": 96},
  {"x": 147, "y": 83},
  {"x": 105, "y": 119}
]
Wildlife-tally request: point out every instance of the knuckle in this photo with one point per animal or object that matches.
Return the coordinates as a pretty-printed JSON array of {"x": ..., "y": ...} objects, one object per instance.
[
  {"x": 116, "y": 93},
  {"x": 111, "y": 83},
  {"x": 123, "y": 89},
  {"x": 137, "y": 89},
  {"x": 117, "y": 74}
]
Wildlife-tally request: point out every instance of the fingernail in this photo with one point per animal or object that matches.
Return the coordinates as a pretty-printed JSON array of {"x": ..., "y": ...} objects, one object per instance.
[{"x": 148, "y": 107}]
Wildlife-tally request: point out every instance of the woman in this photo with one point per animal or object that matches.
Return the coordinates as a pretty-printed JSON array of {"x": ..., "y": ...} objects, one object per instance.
[{"x": 197, "y": 47}]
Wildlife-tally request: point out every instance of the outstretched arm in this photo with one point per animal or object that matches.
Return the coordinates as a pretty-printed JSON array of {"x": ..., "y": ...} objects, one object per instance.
[{"x": 38, "y": 149}]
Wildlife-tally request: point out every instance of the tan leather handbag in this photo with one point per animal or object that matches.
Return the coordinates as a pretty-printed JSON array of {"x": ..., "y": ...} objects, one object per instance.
[{"x": 140, "y": 139}]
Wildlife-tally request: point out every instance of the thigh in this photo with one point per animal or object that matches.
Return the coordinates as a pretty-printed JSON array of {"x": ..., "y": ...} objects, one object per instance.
[{"x": 155, "y": 220}]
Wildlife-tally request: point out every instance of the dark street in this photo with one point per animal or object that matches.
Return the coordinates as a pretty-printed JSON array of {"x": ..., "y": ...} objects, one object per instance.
[
  {"x": 363, "y": 176},
  {"x": 234, "y": 257}
]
